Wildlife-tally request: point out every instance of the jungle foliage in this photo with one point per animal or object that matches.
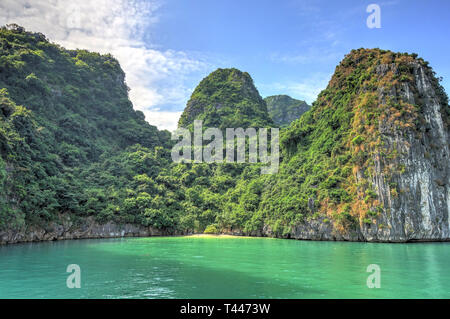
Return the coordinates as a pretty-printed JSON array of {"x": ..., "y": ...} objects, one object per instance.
[{"x": 71, "y": 143}]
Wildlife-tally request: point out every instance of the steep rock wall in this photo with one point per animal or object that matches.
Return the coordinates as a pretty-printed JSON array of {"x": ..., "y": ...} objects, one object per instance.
[
  {"x": 420, "y": 210},
  {"x": 66, "y": 228}
]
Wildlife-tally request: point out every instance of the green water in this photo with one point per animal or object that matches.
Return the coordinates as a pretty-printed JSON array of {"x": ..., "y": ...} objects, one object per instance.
[{"x": 198, "y": 267}]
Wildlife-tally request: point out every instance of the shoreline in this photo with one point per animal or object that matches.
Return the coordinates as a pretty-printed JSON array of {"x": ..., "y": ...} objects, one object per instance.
[
  {"x": 88, "y": 228},
  {"x": 218, "y": 236}
]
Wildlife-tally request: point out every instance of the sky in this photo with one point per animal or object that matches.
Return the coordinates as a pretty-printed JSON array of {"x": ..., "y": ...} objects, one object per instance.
[{"x": 166, "y": 47}]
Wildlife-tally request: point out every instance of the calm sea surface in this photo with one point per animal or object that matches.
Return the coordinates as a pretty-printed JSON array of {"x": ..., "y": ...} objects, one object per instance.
[{"x": 224, "y": 267}]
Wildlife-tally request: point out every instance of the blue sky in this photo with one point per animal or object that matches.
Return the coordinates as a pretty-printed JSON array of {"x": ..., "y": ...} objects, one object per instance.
[
  {"x": 289, "y": 47},
  {"x": 289, "y": 42}
]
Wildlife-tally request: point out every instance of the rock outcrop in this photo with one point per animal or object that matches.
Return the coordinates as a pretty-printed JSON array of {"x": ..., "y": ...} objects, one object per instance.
[
  {"x": 66, "y": 228},
  {"x": 384, "y": 118},
  {"x": 420, "y": 210}
]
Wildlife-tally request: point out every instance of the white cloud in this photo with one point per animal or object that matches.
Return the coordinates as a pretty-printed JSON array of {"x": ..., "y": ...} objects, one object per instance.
[
  {"x": 156, "y": 77},
  {"x": 167, "y": 120}
]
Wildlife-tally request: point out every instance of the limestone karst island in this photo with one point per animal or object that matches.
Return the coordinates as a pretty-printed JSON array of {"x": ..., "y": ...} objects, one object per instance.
[{"x": 355, "y": 113}]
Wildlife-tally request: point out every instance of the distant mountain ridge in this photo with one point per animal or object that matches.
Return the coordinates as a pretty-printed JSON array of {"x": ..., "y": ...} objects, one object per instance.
[{"x": 284, "y": 110}]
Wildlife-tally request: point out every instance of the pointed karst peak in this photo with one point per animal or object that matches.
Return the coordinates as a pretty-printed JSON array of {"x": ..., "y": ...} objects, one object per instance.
[
  {"x": 377, "y": 62},
  {"x": 380, "y": 137},
  {"x": 226, "y": 98}
]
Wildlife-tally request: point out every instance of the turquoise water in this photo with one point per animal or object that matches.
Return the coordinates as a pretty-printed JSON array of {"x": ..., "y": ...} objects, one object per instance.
[{"x": 203, "y": 267}]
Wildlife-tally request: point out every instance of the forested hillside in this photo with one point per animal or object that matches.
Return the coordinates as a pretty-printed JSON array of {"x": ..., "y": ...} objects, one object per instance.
[
  {"x": 226, "y": 98},
  {"x": 65, "y": 118},
  {"x": 72, "y": 145},
  {"x": 368, "y": 161}
]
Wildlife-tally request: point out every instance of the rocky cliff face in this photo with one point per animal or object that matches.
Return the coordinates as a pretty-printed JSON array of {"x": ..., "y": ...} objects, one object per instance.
[
  {"x": 66, "y": 228},
  {"x": 418, "y": 206},
  {"x": 370, "y": 161}
]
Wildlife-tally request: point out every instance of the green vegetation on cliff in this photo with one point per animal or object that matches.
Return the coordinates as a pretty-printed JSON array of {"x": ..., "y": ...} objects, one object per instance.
[
  {"x": 62, "y": 113},
  {"x": 329, "y": 153},
  {"x": 226, "y": 98},
  {"x": 71, "y": 143}
]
